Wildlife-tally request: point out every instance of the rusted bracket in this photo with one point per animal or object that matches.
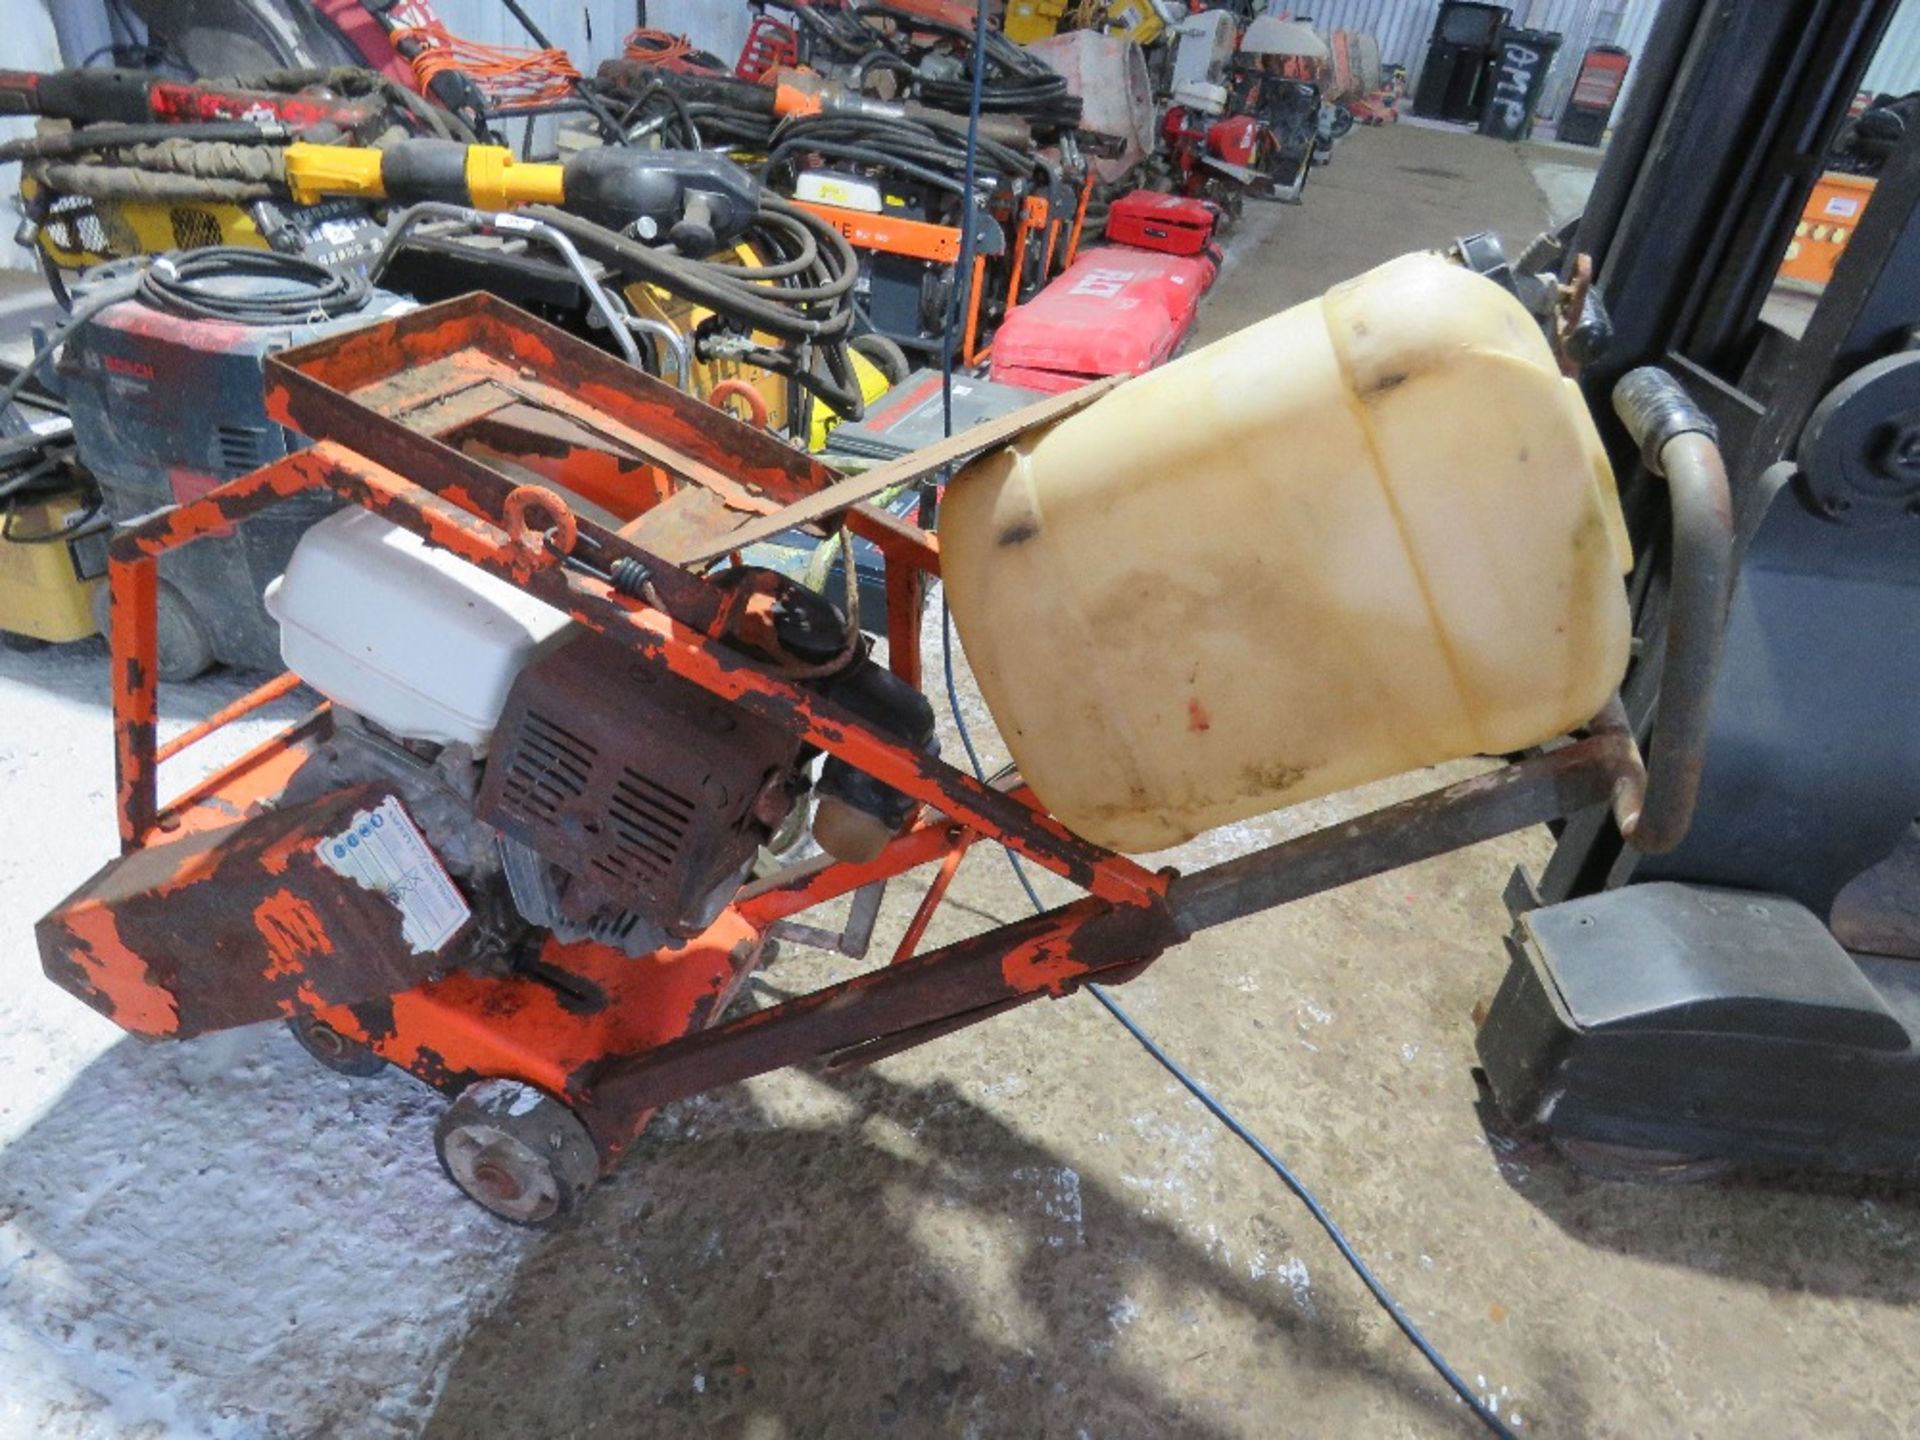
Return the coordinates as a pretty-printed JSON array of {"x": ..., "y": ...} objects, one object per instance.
[
  {"x": 1044, "y": 954},
  {"x": 1550, "y": 786},
  {"x": 927, "y": 996}
]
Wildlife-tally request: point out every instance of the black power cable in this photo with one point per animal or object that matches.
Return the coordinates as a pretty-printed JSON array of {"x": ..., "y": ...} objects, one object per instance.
[
  {"x": 1481, "y": 1410},
  {"x": 224, "y": 282}
]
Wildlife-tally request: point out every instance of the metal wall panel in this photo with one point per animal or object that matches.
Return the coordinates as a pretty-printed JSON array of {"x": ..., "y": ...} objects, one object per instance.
[
  {"x": 32, "y": 44},
  {"x": 1403, "y": 28},
  {"x": 588, "y": 30},
  {"x": 1896, "y": 65}
]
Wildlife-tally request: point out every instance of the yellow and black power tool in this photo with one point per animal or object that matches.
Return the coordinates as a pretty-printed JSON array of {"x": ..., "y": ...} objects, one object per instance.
[{"x": 760, "y": 294}]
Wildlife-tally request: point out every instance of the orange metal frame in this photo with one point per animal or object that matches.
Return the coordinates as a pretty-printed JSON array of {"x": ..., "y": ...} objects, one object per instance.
[
  {"x": 647, "y": 1037},
  {"x": 220, "y": 911}
]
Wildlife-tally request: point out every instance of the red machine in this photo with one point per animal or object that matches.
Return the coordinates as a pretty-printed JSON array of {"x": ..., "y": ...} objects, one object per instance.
[
  {"x": 547, "y": 920},
  {"x": 1114, "y": 311},
  {"x": 134, "y": 97},
  {"x": 770, "y": 45},
  {"x": 1171, "y": 224},
  {"x": 1222, "y": 160}
]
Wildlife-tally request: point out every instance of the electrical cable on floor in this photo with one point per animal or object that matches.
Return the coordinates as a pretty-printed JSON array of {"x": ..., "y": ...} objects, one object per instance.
[{"x": 1481, "y": 1410}]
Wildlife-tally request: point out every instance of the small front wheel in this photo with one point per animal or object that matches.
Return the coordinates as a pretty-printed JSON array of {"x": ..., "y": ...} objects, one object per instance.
[
  {"x": 517, "y": 1152},
  {"x": 334, "y": 1050}
]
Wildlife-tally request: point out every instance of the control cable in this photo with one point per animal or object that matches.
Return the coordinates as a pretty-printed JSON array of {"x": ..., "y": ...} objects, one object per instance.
[{"x": 1482, "y": 1411}]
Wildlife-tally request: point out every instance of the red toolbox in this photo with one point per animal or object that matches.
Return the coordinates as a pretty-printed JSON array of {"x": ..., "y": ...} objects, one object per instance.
[
  {"x": 1114, "y": 311},
  {"x": 1150, "y": 220}
]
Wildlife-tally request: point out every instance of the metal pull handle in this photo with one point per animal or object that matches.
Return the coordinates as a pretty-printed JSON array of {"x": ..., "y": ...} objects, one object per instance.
[{"x": 1677, "y": 441}]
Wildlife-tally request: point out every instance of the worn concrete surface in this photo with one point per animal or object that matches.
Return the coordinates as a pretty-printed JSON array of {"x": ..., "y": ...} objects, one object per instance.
[
  {"x": 1023, "y": 1230},
  {"x": 1027, "y": 1230}
]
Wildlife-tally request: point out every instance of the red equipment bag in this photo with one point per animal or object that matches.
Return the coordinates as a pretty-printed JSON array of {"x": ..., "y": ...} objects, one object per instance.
[
  {"x": 1114, "y": 311},
  {"x": 1172, "y": 224}
]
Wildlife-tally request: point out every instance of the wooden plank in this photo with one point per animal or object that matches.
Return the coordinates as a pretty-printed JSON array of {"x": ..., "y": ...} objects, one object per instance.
[{"x": 840, "y": 497}]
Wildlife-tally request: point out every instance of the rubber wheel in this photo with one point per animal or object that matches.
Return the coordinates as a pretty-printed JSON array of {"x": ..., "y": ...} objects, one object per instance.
[
  {"x": 334, "y": 1050},
  {"x": 184, "y": 648},
  {"x": 885, "y": 355},
  {"x": 516, "y": 1152},
  {"x": 1604, "y": 1161}
]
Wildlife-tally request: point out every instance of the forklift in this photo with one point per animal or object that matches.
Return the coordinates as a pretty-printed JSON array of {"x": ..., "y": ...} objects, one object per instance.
[{"x": 1749, "y": 1000}]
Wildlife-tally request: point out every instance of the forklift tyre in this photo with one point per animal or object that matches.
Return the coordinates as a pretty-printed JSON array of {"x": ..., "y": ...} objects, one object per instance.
[
  {"x": 517, "y": 1152},
  {"x": 1603, "y": 1161},
  {"x": 183, "y": 647}
]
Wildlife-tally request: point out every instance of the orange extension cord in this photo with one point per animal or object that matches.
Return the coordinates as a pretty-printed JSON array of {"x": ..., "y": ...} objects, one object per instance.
[
  {"x": 512, "y": 78},
  {"x": 657, "y": 47}
]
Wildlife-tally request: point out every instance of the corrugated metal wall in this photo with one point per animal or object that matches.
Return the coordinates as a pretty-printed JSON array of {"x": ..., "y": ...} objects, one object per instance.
[
  {"x": 1403, "y": 28},
  {"x": 588, "y": 30},
  {"x": 31, "y": 44},
  {"x": 1896, "y": 67}
]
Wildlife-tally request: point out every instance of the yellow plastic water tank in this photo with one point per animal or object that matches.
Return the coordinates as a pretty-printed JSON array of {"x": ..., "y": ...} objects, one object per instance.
[{"x": 1374, "y": 532}]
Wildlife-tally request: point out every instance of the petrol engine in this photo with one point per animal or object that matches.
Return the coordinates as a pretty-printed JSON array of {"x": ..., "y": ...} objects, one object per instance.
[{"x": 567, "y": 785}]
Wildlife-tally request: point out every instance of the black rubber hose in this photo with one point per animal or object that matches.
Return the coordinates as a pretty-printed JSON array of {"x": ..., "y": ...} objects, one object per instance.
[
  {"x": 804, "y": 296},
  {"x": 864, "y": 155},
  {"x": 786, "y": 311},
  {"x": 925, "y": 139},
  {"x": 688, "y": 136},
  {"x": 111, "y": 137},
  {"x": 89, "y": 305},
  {"x": 199, "y": 283}
]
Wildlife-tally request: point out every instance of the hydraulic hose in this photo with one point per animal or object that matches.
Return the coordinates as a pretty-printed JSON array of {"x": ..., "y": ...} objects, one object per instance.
[
  {"x": 1676, "y": 440},
  {"x": 91, "y": 138},
  {"x": 805, "y": 296},
  {"x": 792, "y": 313}
]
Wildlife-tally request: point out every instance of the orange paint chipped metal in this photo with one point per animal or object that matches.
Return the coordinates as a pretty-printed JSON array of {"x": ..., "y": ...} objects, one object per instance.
[
  {"x": 292, "y": 932},
  {"x": 119, "y": 977}
]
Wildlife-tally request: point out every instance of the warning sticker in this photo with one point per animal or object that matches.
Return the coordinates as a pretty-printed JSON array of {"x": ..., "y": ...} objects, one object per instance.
[
  {"x": 1101, "y": 284},
  {"x": 383, "y": 850}
]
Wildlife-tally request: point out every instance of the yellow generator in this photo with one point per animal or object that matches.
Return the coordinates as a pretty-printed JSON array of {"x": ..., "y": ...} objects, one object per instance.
[
  {"x": 78, "y": 231},
  {"x": 749, "y": 392},
  {"x": 52, "y": 559}
]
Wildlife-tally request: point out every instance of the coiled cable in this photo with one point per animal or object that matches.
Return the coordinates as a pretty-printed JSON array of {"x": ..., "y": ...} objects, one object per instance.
[{"x": 250, "y": 287}]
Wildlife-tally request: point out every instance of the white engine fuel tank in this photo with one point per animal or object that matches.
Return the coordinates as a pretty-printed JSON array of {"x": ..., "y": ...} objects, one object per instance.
[
  {"x": 1372, "y": 533},
  {"x": 417, "y": 640}
]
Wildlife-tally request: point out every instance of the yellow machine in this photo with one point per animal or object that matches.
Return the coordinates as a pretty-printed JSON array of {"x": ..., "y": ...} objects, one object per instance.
[
  {"x": 47, "y": 584},
  {"x": 1141, "y": 21},
  {"x": 727, "y": 376},
  {"x": 80, "y": 231},
  {"x": 1030, "y": 20}
]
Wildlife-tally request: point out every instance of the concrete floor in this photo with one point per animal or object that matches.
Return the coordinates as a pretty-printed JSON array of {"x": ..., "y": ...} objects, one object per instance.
[
  {"x": 1023, "y": 1230},
  {"x": 1028, "y": 1230}
]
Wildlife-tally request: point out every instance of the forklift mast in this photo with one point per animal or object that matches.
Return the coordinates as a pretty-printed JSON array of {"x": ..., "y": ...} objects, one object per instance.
[{"x": 1669, "y": 1003}]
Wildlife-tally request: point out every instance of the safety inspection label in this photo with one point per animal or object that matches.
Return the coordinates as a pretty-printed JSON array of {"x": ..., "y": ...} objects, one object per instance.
[{"x": 383, "y": 850}]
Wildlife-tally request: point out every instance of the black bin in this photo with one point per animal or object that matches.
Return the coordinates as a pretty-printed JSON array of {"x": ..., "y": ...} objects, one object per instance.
[{"x": 1519, "y": 75}]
